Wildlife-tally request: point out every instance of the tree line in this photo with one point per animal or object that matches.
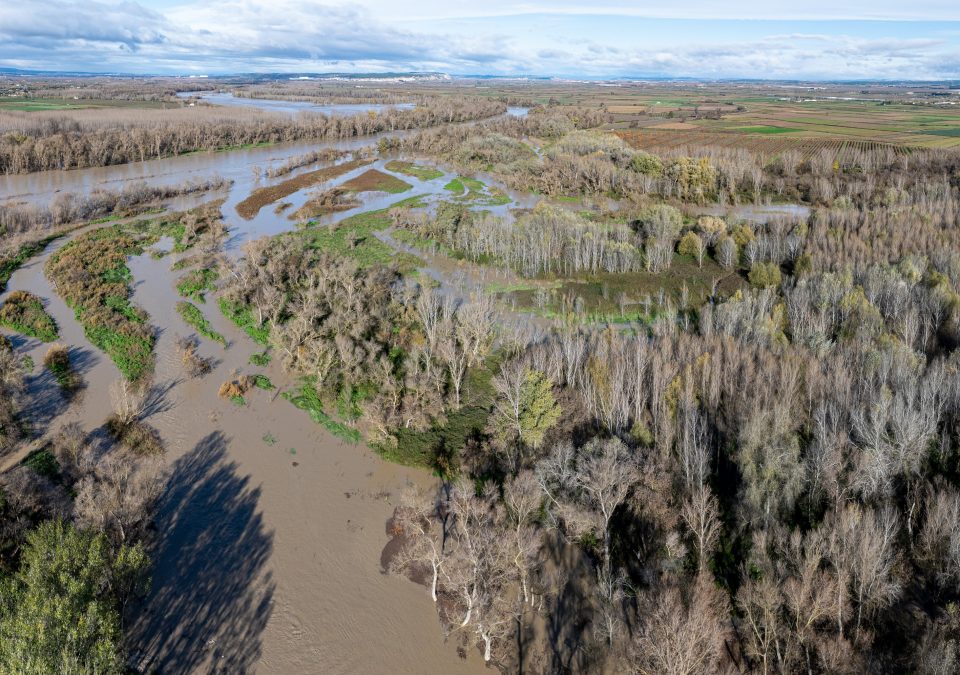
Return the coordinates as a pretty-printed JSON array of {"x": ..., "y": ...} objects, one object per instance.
[{"x": 40, "y": 142}]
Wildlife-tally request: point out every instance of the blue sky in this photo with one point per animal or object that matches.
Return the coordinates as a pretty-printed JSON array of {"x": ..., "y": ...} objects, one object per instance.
[{"x": 814, "y": 39}]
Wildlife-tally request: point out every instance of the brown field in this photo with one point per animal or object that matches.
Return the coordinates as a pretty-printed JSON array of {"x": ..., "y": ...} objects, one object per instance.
[
  {"x": 660, "y": 140},
  {"x": 259, "y": 198}
]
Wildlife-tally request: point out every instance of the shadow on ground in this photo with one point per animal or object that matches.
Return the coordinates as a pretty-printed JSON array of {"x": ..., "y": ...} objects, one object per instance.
[{"x": 212, "y": 594}]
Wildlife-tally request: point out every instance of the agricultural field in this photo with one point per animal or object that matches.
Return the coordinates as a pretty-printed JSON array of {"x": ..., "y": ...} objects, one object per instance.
[
  {"x": 31, "y": 104},
  {"x": 769, "y": 118}
]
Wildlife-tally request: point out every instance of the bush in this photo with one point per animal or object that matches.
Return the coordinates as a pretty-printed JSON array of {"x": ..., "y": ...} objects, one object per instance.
[
  {"x": 647, "y": 164},
  {"x": 57, "y": 361},
  {"x": 194, "y": 364},
  {"x": 764, "y": 275},
  {"x": 24, "y": 313},
  {"x": 136, "y": 435},
  {"x": 261, "y": 359},
  {"x": 661, "y": 221},
  {"x": 236, "y": 388},
  {"x": 691, "y": 245}
]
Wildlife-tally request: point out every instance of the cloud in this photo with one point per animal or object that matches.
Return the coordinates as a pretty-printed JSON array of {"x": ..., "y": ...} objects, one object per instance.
[
  {"x": 313, "y": 35},
  {"x": 771, "y": 10},
  {"x": 125, "y": 23}
]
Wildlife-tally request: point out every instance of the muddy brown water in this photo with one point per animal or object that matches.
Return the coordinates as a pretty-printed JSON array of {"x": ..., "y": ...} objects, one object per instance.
[{"x": 268, "y": 538}]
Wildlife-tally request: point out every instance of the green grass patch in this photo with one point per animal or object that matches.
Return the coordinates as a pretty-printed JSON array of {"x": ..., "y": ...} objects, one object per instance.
[
  {"x": 949, "y": 133},
  {"x": 414, "y": 202},
  {"x": 24, "y": 313},
  {"x": 43, "y": 463},
  {"x": 263, "y": 382},
  {"x": 476, "y": 192},
  {"x": 92, "y": 276},
  {"x": 238, "y": 400},
  {"x": 306, "y": 398},
  {"x": 766, "y": 129},
  {"x": 456, "y": 186},
  {"x": 415, "y": 170},
  {"x": 193, "y": 316},
  {"x": 242, "y": 317},
  {"x": 261, "y": 359},
  {"x": 353, "y": 237},
  {"x": 197, "y": 284}
]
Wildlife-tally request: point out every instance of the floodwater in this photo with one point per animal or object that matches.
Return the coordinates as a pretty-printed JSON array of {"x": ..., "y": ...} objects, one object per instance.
[
  {"x": 268, "y": 539},
  {"x": 755, "y": 213},
  {"x": 293, "y": 107}
]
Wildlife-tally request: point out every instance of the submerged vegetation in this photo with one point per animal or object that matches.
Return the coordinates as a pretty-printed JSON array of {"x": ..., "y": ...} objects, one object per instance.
[
  {"x": 195, "y": 318},
  {"x": 198, "y": 283},
  {"x": 92, "y": 276},
  {"x": 415, "y": 170},
  {"x": 57, "y": 361},
  {"x": 23, "y": 312}
]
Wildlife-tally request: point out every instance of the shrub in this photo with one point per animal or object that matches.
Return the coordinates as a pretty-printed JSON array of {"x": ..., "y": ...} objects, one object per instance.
[
  {"x": 261, "y": 359},
  {"x": 236, "y": 388},
  {"x": 647, "y": 164},
  {"x": 24, "y": 313},
  {"x": 136, "y": 435},
  {"x": 764, "y": 275},
  {"x": 661, "y": 221},
  {"x": 57, "y": 361},
  {"x": 194, "y": 364}
]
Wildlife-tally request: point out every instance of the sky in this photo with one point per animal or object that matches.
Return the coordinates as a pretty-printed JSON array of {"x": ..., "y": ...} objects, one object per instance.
[{"x": 808, "y": 40}]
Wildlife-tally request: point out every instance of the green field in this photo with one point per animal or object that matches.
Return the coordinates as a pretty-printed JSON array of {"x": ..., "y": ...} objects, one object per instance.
[{"x": 26, "y": 104}]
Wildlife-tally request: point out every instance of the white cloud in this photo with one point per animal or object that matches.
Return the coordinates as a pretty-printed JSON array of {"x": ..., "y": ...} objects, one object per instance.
[
  {"x": 313, "y": 35},
  {"x": 776, "y": 10}
]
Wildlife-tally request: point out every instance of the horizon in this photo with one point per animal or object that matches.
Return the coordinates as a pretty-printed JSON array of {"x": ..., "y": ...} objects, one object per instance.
[
  {"x": 567, "y": 40},
  {"x": 425, "y": 75}
]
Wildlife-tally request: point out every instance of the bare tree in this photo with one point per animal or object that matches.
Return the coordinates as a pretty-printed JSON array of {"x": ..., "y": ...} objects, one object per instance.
[
  {"x": 128, "y": 400},
  {"x": 701, "y": 515},
  {"x": 681, "y": 632},
  {"x": 417, "y": 522},
  {"x": 119, "y": 495}
]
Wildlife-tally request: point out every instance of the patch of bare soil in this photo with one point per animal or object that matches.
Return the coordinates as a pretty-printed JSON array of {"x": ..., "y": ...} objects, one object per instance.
[
  {"x": 376, "y": 181},
  {"x": 259, "y": 198}
]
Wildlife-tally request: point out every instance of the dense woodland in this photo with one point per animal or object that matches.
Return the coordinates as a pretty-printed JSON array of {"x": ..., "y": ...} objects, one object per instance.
[{"x": 764, "y": 483}]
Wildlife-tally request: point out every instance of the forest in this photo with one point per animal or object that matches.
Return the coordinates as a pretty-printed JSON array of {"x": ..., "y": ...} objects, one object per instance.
[{"x": 756, "y": 474}]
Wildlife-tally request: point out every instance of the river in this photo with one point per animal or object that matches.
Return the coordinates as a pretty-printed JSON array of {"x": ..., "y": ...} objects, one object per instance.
[
  {"x": 268, "y": 539},
  {"x": 292, "y": 107}
]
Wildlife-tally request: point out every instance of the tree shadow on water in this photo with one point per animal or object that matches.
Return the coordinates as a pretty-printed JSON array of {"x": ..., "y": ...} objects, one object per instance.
[{"x": 212, "y": 594}]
